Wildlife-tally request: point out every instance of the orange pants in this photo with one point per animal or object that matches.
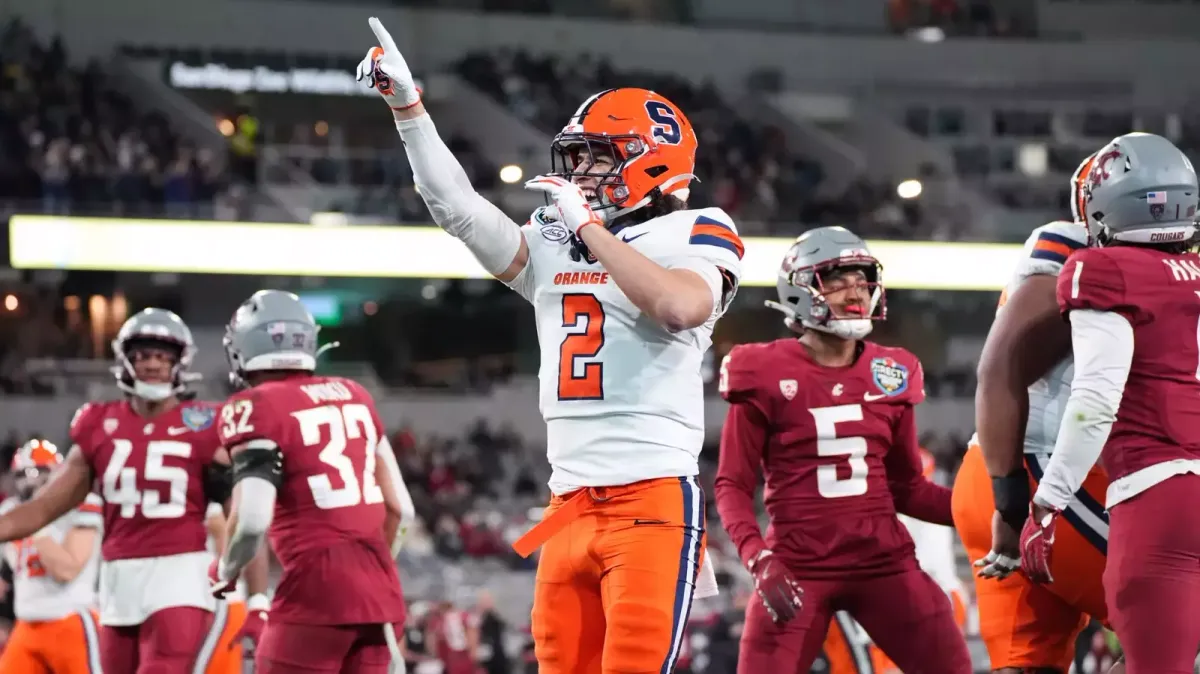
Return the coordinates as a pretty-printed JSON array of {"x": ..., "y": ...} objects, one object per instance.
[
  {"x": 226, "y": 657},
  {"x": 616, "y": 576},
  {"x": 69, "y": 645},
  {"x": 1023, "y": 624}
]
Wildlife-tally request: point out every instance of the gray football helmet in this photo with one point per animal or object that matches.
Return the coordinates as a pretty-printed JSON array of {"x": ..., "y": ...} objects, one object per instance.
[
  {"x": 814, "y": 257},
  {"x": 160, "y": 327},
  {"x": 1140, "y": 189},
  {"x": 271, "y": 331}
]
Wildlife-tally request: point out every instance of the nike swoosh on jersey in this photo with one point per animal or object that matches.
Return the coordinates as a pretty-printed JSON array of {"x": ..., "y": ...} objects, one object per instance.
[
  {"x": 177, "y": 430},
  {"x": 630, "y": 239},
  {"x": 874, "y": 396}
]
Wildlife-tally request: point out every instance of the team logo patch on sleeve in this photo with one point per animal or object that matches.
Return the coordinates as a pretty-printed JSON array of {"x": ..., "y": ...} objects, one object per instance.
[
  {"x": 197, "y": 418},
  {"x": 788, "y": 387},
  {"x": 891, "y": 377}
]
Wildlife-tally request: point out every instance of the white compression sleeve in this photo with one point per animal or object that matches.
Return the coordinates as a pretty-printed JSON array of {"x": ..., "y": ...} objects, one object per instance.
[
  {"x": 255, "y": 509},
  {"x": 491, "y": 236},
  {"x": 1103, "y": 345},
  {"x": 408, "y": 511}
]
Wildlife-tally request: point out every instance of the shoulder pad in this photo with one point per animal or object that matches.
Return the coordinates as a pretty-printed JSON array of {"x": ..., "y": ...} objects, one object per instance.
[
  {"x": 85, "y": 419},
  {"x": 1049, "y": 246},
  {"x": 897, "y": 374},
  {"x": 712, "y": 234},
  {"x": 1093, "y": 279},
  {"x": 739, "y": 377}
]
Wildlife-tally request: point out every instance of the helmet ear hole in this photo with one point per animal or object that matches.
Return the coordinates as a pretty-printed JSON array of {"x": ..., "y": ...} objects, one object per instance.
[{"x": 656, "y": 171}]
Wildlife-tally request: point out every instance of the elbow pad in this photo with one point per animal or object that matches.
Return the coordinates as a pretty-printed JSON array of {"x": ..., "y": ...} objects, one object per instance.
[
  {"x": 218, "y": 482},
  {"x": 265, "y": 463}
]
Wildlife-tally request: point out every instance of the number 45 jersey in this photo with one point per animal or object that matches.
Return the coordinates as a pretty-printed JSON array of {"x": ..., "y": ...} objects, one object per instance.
[
  {"x": 328, "y": 527},
  {"x": 622, "y": 397},
  {"x": 838, "y": 450},
  {"x": 150, "y": 473}
]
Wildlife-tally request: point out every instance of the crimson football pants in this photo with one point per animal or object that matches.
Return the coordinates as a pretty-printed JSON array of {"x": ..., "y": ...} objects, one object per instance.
[
  {"x": 906, "y": 614},
  {"x": 1152, "y": 580},
  {"x": 290, "y": 648},
  {"x": 168, "y": 642}
]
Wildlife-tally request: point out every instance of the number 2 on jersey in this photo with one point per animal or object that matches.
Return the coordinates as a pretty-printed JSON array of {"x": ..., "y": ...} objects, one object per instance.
[
  {"x": 853, "y": 448},
  {"x": 578, "y": 379},
  {"x": 347, "y": 422}
]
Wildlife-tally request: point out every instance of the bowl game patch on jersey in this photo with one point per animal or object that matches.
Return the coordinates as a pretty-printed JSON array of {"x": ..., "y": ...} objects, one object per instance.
[
  {"x": 197, "y": 417},
  {"x": 890, "y": 376}
]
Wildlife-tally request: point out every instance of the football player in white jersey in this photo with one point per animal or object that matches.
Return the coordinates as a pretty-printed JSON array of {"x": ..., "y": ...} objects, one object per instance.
[
  {"x": 1025, "y": 374},
  {"x": 626, "y": 284},
  {"x": 54, "y": 578}
]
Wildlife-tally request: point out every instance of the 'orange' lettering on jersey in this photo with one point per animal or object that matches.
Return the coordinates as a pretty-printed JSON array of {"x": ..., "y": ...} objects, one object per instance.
[{"x": 575, "y": 278}]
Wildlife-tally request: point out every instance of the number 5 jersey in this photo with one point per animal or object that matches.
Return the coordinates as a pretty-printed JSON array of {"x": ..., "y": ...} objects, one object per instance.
[
  {"x": 622, "y": 396},
  {"x": 837, "y": 447}
]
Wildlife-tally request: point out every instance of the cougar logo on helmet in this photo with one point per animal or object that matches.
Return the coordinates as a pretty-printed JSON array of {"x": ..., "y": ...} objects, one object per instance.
[
  {"x": 1149, "y": 197},
  {"x": 626, "y": 148}
]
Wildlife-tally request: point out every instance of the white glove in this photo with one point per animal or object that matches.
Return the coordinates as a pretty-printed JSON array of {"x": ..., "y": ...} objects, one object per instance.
[
  {"x": 568, "y": 199},
  {"x": 384, "y": 69}
]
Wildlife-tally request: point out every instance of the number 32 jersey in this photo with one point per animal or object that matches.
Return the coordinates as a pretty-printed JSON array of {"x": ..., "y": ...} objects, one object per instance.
[
  {"x": 328, "y": 526},
  {"x": 622, "y": 397}
]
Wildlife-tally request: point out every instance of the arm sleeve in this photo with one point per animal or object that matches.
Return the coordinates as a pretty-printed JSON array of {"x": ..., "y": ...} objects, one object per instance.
[
  {"x": 89, "y": 514},
  {"x": 491, "y": 236},
  {"x": 255, "y": 509},
  {"x": 1103, "y": 345},
  {"x": 738, "y": 474},
  {"x": 913, "y": 494}
]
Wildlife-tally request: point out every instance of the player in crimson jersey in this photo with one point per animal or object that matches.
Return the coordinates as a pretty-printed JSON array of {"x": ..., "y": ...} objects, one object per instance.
[
  {"x": 313, "y": 466},
  {"x": 157, "y": 462},
  {"x": 1133, "y": 301},
  {"x": 828, "y": 419},
  {"x": 453, "y": 636}
]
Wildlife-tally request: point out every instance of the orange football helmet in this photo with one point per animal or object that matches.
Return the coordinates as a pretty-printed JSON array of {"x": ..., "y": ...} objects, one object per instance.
[
  {"x": 1079, "y": 188},
  {"x": 651, "y": 144},
  {"x": 36, "y": 455}
]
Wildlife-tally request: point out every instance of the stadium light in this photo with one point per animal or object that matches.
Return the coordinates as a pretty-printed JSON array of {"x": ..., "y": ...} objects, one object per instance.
[
  {"x": 367, "y": 251},
  {"x": 511, "y": 173},
  {"x": 909, "y": 189}
]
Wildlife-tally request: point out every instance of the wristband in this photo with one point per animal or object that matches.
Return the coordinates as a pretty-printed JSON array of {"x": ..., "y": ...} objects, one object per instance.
[
  {"x": 258, "y": 602},
  {"x": 1012, "y": 496}
]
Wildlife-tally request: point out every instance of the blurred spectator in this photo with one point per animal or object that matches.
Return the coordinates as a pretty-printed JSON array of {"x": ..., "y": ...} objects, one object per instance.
[
  {"x": 70, "y": 141},
  {"x": 744, "y": 167}
]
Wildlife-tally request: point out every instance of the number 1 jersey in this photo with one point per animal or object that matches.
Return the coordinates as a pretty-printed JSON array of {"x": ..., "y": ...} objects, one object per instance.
[
  {"x": 623, "y": 397},
  {"x": 328, "y": 526}
]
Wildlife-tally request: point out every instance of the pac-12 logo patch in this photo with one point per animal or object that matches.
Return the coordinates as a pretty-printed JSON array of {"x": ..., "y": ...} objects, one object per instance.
[
  {"x": 788, "y": 387},
  {"x": 197, "y": 417},
  {"x": 891, "y": 377}
]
